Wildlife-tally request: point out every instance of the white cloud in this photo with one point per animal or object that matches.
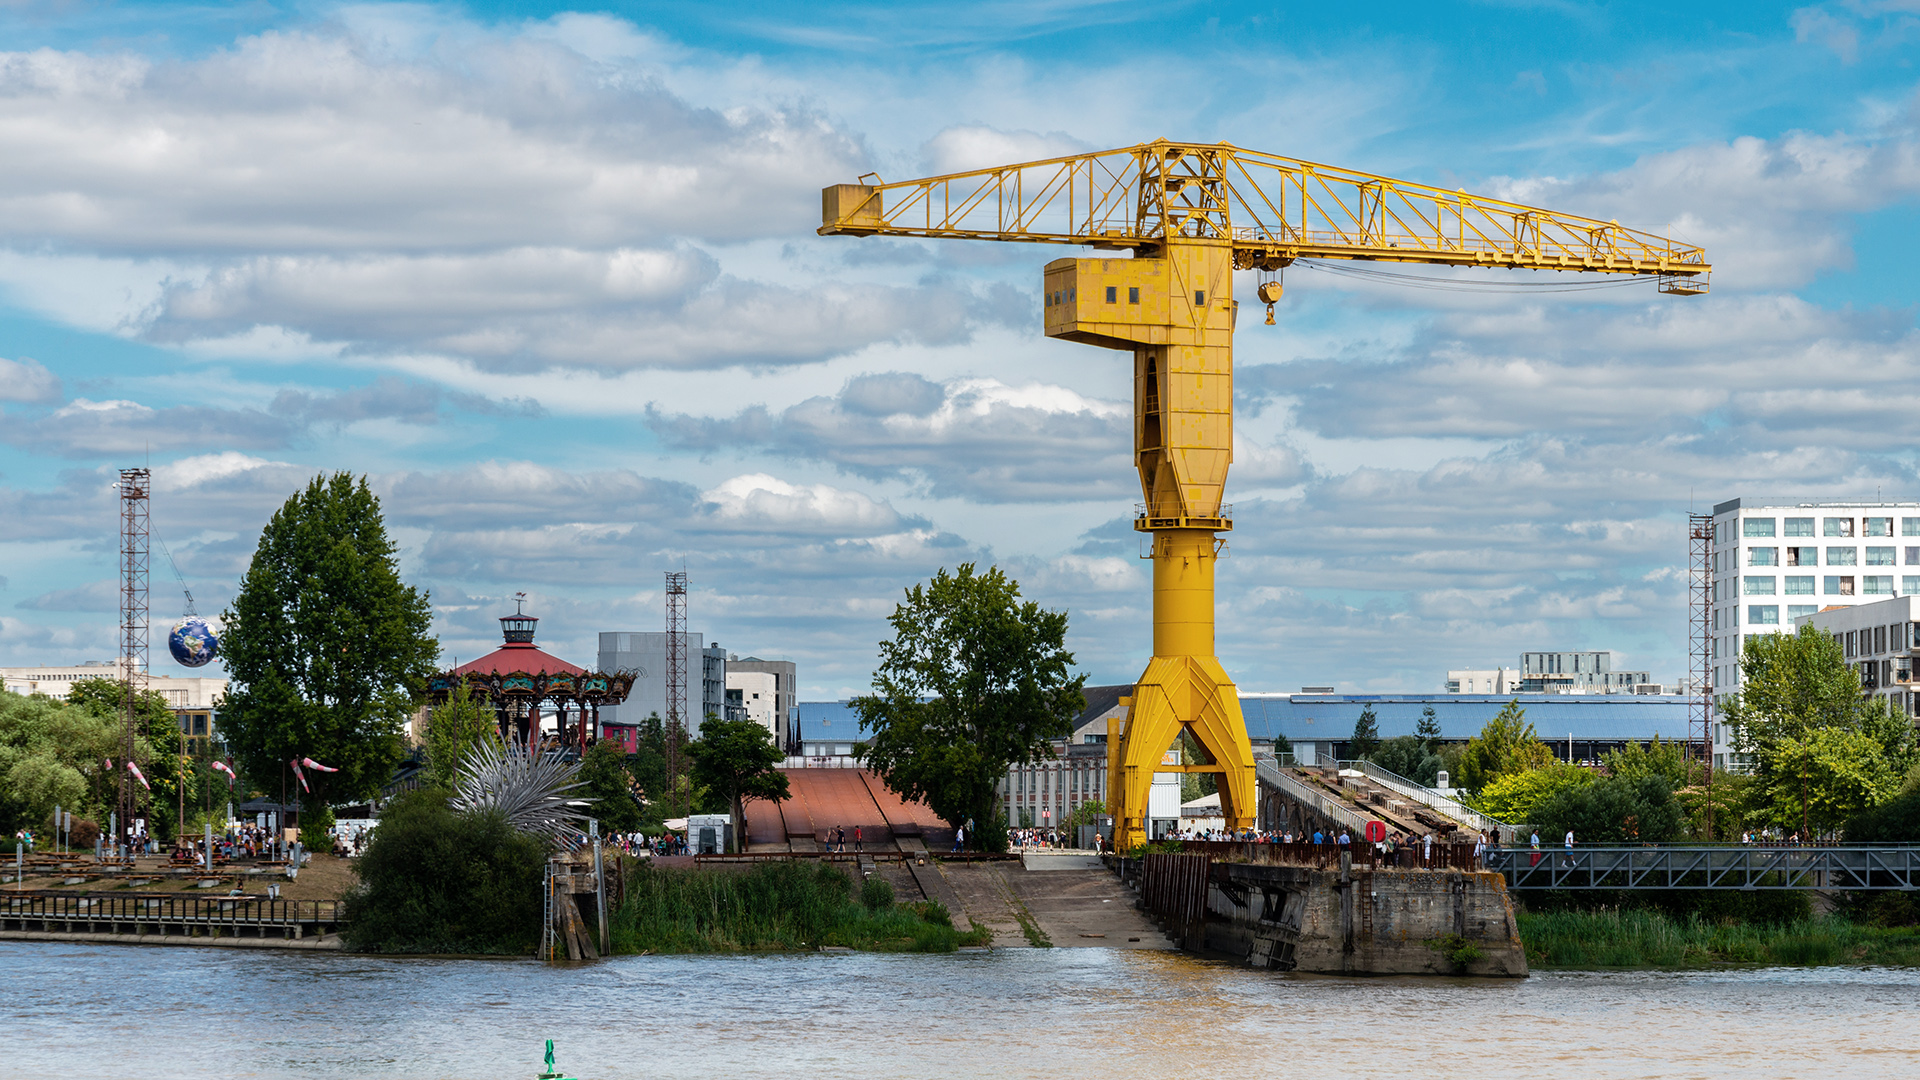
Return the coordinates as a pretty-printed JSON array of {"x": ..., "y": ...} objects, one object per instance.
[
  {"x": 28, "y": 380},
  {"x": 757, "y": 501}
]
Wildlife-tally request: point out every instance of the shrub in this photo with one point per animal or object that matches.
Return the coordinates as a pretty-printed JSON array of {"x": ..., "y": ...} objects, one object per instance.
[
  {"x": 315, "y": 822},
  {"x": 876, "y": 894},
  {"x": 434, "y": 881},
  {"x": 1894, "y": 822}
]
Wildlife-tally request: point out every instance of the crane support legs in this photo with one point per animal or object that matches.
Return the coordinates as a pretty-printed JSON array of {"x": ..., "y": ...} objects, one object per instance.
[{"x": 1183, "y": 689}]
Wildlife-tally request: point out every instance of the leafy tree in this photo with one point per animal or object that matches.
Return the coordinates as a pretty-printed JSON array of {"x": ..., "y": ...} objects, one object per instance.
[
  {"x": 157, "y": 747},
  {"x": 1512, "y": 797},
  {"x": 453, "y": 728},
  {"x": 1411, "y": 758},
  {"x": 1427, "y": 730},
  {"x": 1195, "y": 785},
  {"x": 52, "y": 753},
  {"x": 1820, "y": 781},
  {"x": 648, "y": 764},
  {"x": 436, "y": 881},
  {"x": 326, "y": 647},
  {"x": 739, "y": 760},
  {"x": 604, "y": 772},
  {"x": 1822, "y": 752},
  {"x": 1366, "y": 735},
  {"x": 972, "y": 682},
  {"x": 1626, "y": 809},
  {"x": 1667, "y": 760},
  {"x": 1896, "y": 821},
  {"x": 1504, "y": 746}
]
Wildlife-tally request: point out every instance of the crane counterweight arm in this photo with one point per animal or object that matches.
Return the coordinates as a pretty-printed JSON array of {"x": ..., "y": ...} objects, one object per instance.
[{"x": 1272, "y": 210}]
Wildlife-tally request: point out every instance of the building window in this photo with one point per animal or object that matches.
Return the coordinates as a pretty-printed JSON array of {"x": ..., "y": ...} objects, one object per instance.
[
  {"x": 1910, "y": 526},
  {"x": 1909, "y": 585},
  {"x": 1880, "y": 556},
  {"x": 1839, "y": 526},
  {"x": 1804, "y": 527},
  {"x": 1877, "y": 526},
  {"x": 1758, "y": 527},
  {"x": 1765, "y": 556},
  {"x": 1763, "y": 614},
  {"x": 1799, "y": 585},
  {"x": 1803, "y": 556},
  {"x": 1113, "y": 294},
  {"x": 1842, "y": 556},
  {"x": 1838, "y": 586},
  {"x": 1877, "y": 585},
  {"x": 1800, "y": 611},
  {"x": 1133, "y": 294},
  {"x": 1759, "y": 586}
]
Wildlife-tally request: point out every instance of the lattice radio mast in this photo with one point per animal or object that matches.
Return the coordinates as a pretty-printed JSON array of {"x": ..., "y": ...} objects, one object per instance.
[
  {"x": 676, "y": 678},
  {"x": 136, "y": 489},
  {"x": 1700, "y": 646}
]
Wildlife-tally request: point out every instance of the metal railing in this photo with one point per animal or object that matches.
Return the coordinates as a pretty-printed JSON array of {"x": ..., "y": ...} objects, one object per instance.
[
  {"x": 1733, "y": 867},
  {"x": 259, "y": 912},
  {"x": 1327, "y": 856},
  {"x": 1419, "y": 793},
  {"x": 1319, "y": 802}
]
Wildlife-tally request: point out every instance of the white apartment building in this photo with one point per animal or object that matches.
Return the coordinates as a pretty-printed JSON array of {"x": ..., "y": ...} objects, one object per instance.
[
  {"x": 1879, "y": 641},
  {"x": 757, "y": 693},
  {"x": 1777, "y": 562},
  {"x": 54, "y": 680}
]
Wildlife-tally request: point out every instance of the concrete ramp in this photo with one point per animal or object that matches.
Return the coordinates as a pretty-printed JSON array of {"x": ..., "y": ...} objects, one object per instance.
[{"x": 1062, "y": 860}]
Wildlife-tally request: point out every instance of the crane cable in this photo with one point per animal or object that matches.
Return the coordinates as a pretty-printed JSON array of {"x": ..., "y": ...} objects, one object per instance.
[
  {"x": 1423, "y": 281},
  {"x": 176, "y": 573}
]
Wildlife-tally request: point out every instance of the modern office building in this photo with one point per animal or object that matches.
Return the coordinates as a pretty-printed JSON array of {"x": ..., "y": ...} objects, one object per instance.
[
  {"x": 1776, "y": 562},
  {"x": 1879, "y": 641},
  {"x": 1554, "y": 673},
  {"x": 785, "y": 674},
  {"x": 645, "y": 654},
  {"x": 757, "y": 694}
]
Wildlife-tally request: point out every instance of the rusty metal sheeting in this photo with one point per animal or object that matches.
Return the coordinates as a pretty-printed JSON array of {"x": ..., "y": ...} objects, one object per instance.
[
  {"x": 1174, "y": 889},
  {"x": 820, "y": 800}
]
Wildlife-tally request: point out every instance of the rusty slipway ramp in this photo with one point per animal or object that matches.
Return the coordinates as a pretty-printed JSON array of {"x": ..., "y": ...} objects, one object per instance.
[{"x": 824, "y": 799}]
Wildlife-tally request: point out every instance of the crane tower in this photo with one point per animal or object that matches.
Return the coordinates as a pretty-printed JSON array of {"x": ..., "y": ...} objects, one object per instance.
[{"x": 1172, "y": 222}]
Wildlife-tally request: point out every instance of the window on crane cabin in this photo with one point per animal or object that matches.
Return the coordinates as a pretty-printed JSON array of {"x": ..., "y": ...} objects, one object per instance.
[
  {"x": 1113, "y": 294},
  {"x": 1133, "y": 294}
]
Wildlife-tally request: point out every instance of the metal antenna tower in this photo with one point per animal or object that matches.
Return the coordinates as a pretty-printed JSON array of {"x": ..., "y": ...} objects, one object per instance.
[
  {"x": 136, "y": 489},
  {"x": 1700, "y": 646},
  {"x": 676, "y": 678}
]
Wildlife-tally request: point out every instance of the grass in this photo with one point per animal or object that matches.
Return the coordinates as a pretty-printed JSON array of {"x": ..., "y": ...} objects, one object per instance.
[
  {"x": 777, "y": 907},
  {"x": 1650, "y": 939}
]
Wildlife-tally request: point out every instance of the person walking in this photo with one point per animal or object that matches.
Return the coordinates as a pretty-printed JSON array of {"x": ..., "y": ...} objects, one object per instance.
[
  {"x": 857, "y": 844},
  {"x": 960, "y": 838}
]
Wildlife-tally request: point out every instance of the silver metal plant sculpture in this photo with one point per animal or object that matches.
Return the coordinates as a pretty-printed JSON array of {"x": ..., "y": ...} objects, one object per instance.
[{"x": 531, "y": 790}]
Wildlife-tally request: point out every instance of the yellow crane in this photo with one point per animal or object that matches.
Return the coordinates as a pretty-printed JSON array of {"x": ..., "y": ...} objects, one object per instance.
[{"x": 1179, "y": 218}]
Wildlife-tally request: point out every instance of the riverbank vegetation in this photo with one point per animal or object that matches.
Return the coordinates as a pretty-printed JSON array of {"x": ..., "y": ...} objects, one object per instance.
[
  {"x": 777, "y": 907},
  {"x": 1647, "y": 938},
  {"x": 436, "y": 881}
]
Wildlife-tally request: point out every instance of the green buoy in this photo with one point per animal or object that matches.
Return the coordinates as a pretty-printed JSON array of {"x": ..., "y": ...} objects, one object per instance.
[{"x": 551, "y": 1073}]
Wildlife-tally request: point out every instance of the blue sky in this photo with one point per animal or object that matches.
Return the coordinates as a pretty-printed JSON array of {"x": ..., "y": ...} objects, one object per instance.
[{"x": 548, "y": 276}]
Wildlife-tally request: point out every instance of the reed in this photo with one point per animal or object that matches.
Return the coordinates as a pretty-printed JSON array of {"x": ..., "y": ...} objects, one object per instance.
[
  {"x": 776, "y": 907},
  {"x": 1650, "y": 939}
]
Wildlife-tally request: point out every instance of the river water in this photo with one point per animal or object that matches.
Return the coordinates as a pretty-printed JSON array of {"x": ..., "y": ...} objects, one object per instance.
[{"x": 86, "y": 1011}]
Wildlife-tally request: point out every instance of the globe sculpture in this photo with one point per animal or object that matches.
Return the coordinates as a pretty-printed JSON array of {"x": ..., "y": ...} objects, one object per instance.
[{"x": 192, "y": 642}]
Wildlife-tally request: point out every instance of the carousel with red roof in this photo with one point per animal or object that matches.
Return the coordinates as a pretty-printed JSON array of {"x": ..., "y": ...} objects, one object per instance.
[{"x": 527, "y": 686}]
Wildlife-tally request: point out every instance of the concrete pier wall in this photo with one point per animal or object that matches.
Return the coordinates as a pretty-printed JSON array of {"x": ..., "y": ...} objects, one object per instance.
[{"x": 1347, "y": 922}]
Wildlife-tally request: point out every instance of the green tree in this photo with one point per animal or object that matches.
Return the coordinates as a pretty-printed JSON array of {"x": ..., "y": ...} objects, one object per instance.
[
  {"x": 1366, "y": 735},
  {"x": 1408, "y": 756},
  {"x": 739, "y": 760},
  {"x": 327, "y": 649},
  {"x": 436, "y": 881},
  {"x": 157, "y": 747},
  {"x": 1666, "y": 760},
  {"x": 648, "y": 764},
  {"x": 1505, "y": 745},
  {"x": 53, "y": 753},
  {"x": 604, "y": 772},
  {"x": 972, "y": 682},
  {"x": 1428, "y": 729},
  {"x": 1630, "y": 809},
  {"x": 1512, "y": 797},
  {"x": 1822, "y": 780},
  {"x": 454, "y": 727},
  {"x": 1821, "y": 751}
]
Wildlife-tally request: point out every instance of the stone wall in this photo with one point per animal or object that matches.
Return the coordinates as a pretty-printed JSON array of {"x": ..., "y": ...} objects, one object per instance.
[{"x": 1348, "y": 922}]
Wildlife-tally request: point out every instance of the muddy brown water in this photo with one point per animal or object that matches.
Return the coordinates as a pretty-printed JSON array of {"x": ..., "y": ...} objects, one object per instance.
[{"x": 83, "y": 1011}]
